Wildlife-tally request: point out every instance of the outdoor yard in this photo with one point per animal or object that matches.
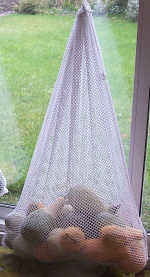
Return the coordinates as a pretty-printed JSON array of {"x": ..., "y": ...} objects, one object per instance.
[{"x": 31, "y": 50}]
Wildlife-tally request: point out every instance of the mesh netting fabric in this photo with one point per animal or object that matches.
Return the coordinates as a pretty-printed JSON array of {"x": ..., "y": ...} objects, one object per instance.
[
  {"x": 77, "y": 201},
  {"x": 3, "y": 184}
]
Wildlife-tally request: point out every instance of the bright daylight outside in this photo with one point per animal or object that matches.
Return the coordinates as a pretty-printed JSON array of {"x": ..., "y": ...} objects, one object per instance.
[{"x": 33, "y": 36}]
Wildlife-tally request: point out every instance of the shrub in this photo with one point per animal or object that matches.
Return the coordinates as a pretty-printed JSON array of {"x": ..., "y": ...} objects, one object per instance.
[
  {"x": 43, "y": 4},
  {"x": 31, "y": 6},
  {"x": 37, "y": 6},
  {"x": 68, "y": 4},
  {"x": 115, "y": 7},
  {"x": 26, "y": 6}
]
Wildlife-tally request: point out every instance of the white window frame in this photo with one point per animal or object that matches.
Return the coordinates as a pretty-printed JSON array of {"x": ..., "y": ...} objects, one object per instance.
[
  {"x": 141, "y": 103},
  {"x": 140, "y": 111}
]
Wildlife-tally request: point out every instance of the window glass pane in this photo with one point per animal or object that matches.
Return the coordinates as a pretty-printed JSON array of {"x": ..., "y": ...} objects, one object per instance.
[
  {"x": 117, "y": 36},
  {"x": 31, "y": 50}
]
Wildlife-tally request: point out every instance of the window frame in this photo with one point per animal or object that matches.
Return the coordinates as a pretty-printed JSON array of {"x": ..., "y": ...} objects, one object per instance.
[{"x": 140, "y": 108}]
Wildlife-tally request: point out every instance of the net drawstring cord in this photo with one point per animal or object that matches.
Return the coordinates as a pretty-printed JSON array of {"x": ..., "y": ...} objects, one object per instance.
[{"x": 85, "y": 8}]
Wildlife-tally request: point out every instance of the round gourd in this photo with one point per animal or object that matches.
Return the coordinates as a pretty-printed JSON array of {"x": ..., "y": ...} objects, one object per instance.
[
  {"x": 56, "y": 208},
  {"x": 135, "y": 259},
  {"x": 72, "y": 219},
  {"x": 41, "y": 253},
  {"x": 97, "y": 251},
  {"x": 121, "y": 235},
  {"x": 54, "y": 245},
  {"x": 54, "y": 240},
  {"x": 91, "y": 226},
  {"x": 34, "y": 206},
  {"x": 9, "y": 238},
  {"x": 37, "y": 226},
  {"x": 71, "y": 240},
  {"x": 84, "y": 201},
  {"x": 14, "y": 222},
  {"x": 106, "y": 218},
  {"x": 22, "y": 247},
  {"x": 67, "y": 209}
]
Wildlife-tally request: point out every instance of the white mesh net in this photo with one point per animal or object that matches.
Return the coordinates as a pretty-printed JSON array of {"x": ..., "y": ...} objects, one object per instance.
[
  {"x": 3, "y": 184},
  {"x": 77, "y": 201}
]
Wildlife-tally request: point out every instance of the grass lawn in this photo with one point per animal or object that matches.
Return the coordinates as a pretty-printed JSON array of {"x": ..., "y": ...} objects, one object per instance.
[
  {"x": 31, "y": 50},
  {"x": 117, "y": 38}
]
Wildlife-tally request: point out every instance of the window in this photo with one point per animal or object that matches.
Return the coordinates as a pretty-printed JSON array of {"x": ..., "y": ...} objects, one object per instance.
[
  {"x": 29, "y": 62},
  {"x": 118, "y": 43}
]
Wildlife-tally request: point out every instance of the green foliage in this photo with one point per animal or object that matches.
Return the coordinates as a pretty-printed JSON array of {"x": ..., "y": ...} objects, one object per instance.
[
  {"x": 26, "y": 7},
  {"x": 56, "y": 6},
  {"x": 32, "y": 6},
  {"x": 122, "y": 3},
  {"x": 72, "y": 5},
  {"x": 69, "y": 5},
  {"x": 116, "y": 7}
]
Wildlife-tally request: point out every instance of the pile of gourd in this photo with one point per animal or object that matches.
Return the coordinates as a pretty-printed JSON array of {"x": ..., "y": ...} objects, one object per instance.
[{"x": 77, "y": 227}]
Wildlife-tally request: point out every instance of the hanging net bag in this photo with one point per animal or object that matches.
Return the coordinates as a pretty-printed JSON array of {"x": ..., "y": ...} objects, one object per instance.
[{"x": 77, "y": 202}]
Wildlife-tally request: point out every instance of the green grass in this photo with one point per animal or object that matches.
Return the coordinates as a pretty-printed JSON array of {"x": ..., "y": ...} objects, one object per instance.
[
  {"x": 117, "y": 38},
  {"x": 31, "y": 50}
]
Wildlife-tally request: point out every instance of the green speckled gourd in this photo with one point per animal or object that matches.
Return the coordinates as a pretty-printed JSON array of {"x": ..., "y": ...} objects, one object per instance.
[{"x": 37, "y": 226}]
